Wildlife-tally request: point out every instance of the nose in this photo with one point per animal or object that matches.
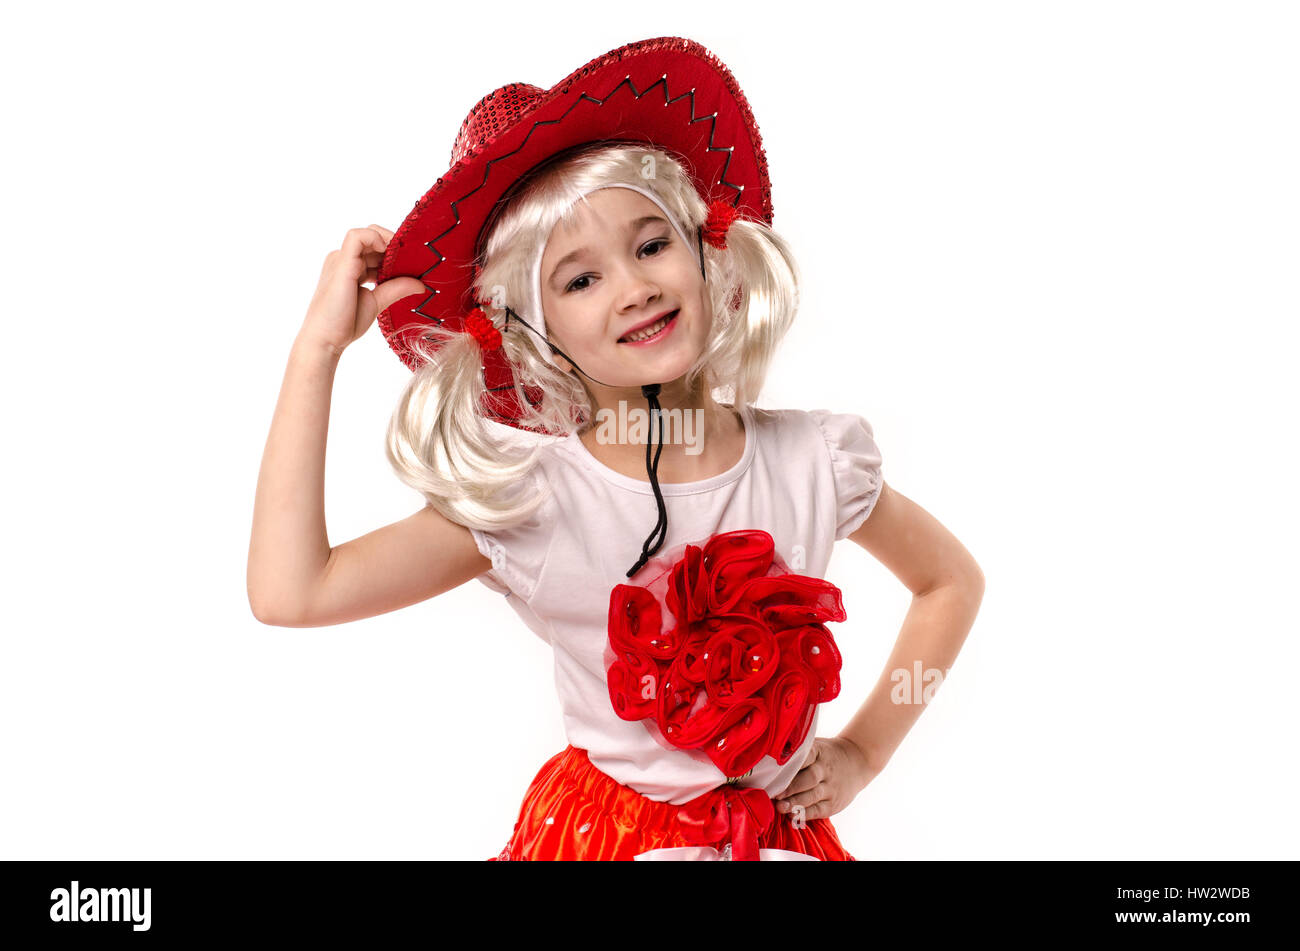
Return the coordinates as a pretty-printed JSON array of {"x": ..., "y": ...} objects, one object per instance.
[{"x": 637, "y": 291}]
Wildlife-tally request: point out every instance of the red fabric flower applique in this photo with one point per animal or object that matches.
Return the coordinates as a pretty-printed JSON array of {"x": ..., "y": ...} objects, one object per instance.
[{"x": 739, "y": 661}]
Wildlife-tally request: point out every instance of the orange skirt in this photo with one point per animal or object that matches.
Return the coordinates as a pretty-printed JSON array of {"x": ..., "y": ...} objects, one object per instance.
[{"x": 574, "y": 812}]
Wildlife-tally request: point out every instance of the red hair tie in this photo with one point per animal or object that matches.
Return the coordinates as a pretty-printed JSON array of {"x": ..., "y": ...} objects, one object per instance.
[
  {"x": 721, "y": 216},
  {"x": 481, "y": 329}
]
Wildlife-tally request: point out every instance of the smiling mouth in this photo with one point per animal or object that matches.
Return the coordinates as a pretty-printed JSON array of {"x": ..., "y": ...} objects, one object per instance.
[{"x": 654, "y": 330}]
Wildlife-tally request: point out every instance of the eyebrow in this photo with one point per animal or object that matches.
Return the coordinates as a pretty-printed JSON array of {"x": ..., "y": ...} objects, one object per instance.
[{"x": 632, "y": 227}]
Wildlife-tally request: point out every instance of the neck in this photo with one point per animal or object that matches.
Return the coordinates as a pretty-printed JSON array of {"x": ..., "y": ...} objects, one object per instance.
[
  {"x": 606, "y": 402},
  {"x": 692, "y": 422}
]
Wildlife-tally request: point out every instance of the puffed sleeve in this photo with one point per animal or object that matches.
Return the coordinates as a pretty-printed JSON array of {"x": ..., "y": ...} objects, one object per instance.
[
  {"x": 855, "y": 464},
  {"x": 518, "y": 553}
]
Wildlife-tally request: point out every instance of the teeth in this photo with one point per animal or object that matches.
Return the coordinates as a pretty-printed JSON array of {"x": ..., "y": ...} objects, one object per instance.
[{"x": 651, "y": 330}]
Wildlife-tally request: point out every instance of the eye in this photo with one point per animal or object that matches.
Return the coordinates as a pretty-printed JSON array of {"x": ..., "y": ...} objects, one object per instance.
[{"x": 658, "y": 243}]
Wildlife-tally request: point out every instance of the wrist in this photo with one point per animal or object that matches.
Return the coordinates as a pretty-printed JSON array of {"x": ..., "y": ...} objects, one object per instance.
[
  {"x": 315, "y": 348},
  {"x": 871, "y": 760}
]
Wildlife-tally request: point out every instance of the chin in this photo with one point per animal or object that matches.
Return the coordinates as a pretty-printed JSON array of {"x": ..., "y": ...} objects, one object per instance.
[{"x": 671, "y": 367}]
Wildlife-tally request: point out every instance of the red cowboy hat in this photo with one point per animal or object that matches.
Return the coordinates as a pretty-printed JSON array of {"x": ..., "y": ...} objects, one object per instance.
[{"x": 669, "y": 93}]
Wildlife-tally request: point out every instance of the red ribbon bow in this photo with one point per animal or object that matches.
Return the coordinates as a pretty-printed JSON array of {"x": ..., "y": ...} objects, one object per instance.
[{"x": 729, "y": 813}]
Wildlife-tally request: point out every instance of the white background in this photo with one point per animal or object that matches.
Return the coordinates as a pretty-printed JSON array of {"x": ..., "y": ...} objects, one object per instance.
[{"x": 1050, "y": 251}]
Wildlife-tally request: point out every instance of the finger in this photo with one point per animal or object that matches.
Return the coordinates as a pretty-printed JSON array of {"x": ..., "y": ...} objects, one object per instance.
[
  {"x": 813, "y": 753},
  {"x": 802, "y": 782},
  {"x": 792, "y": 797},
  {"x": 366, "y": 236},
  {"x": 358, "y": 241},
  {"x": 817, "y": 810},
  {"x": 802, "y": 812},
  {"x": 789, "y": 803},
  {"x": 393, "y": 290},
  {"x": 806, "y": 799},
  {"x": 361, "y": 249},
  {"x": 810, "y": 758},
  {"x": 795, "y": 785}
]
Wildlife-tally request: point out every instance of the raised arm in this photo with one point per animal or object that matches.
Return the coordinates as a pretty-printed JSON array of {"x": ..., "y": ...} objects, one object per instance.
[{"x": 295, "y": 578}]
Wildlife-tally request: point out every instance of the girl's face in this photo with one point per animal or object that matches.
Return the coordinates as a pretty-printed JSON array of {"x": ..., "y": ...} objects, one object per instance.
[{"x": 619, "y": 267}]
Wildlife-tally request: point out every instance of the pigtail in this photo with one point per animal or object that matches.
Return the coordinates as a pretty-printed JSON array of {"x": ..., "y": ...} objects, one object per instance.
[
  {"x": 755, "y": 296},
  {"x": 472, "y": 470}
]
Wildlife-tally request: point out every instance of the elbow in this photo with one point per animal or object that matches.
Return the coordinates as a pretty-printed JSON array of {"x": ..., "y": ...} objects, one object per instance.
[
  {"x": 975, "y": 580},
  {"x": 972, "y": 584},
  {"x": 258, "y": 603},
  {"x": 272, "y": 614},
  {"x": 964, "y": 580},
  {"x": 959, "y": 575},
  {"x": 263, "y": 614},
  {"x": 274, "y": 605}
]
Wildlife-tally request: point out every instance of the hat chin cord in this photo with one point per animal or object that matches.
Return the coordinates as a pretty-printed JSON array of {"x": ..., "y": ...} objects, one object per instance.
[{"x": 650, "y": 391}]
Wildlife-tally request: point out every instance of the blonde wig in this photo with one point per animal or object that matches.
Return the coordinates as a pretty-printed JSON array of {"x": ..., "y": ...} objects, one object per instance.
[{"x": 475, "y": 471}]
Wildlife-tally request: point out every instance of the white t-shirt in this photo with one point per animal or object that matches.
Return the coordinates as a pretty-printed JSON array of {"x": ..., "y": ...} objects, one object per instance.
[{"x": 808, "y": 479}]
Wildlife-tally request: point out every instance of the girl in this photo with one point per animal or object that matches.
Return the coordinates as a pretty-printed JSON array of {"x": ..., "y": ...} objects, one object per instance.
[{"x": 589, "y": 300}]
